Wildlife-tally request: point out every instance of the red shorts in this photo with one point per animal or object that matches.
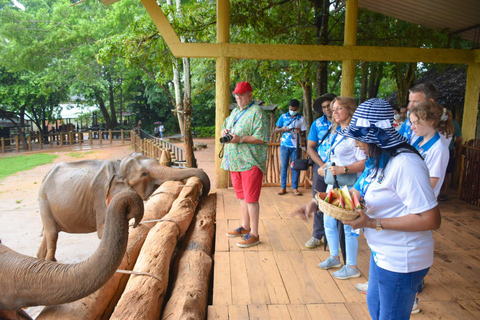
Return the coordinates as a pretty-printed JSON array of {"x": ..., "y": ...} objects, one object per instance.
[{"x": 247, "y": 184}]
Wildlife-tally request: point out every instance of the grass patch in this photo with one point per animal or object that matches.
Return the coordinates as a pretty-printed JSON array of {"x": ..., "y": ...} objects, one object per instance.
[
  {"x": 12, "y": 165},
  {"x": 79, "y": 155}
]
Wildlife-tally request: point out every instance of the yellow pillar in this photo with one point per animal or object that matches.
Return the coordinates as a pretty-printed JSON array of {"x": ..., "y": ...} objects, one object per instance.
[
  {"x": 348, "y": 66},
  {"x": 469, "y": 123},
  {"x": 222, "y": 88}
]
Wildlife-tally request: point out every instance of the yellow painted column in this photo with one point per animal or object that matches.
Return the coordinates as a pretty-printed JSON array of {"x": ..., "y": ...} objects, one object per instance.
[
  {"x": 470, "y": 110},
  {"x": 348, "y": 66},
  {"x": 222, "y": 88}
]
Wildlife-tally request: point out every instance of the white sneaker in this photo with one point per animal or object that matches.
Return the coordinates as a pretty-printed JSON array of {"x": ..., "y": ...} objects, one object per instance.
[
  {"x": 313, "y": 243},
  {"x": 362, "y": 287},
  {"x": 415, "y": 308}
]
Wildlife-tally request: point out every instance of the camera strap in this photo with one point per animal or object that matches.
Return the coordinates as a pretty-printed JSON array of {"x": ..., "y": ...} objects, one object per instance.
[
  {"x": 239, "y": 115},
  {"x": 220, "y": 154}
]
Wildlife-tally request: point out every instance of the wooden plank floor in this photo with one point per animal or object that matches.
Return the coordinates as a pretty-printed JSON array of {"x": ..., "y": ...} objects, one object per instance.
[{"x": 280, "y": 278}]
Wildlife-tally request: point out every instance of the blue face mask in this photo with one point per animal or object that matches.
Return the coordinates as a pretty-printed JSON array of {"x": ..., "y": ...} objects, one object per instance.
[{"x": 292, "y": 113}]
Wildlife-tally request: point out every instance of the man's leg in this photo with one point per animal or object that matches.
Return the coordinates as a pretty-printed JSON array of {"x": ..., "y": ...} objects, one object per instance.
[
  {"x": 254, "y": 214},
  {"x": 284, "y": 157},
  {"x": 245, "y": 214},
  {"x": 295, "y": 173}
]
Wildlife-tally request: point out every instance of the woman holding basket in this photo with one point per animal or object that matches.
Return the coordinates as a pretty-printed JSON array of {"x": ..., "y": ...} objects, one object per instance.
[
  {"x": 344, "y": 163},
  {"x": 400, "y": 211}
]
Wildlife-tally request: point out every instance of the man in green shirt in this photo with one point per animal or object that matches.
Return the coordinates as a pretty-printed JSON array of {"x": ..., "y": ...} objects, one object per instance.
[{"x": 247, "y": 129}]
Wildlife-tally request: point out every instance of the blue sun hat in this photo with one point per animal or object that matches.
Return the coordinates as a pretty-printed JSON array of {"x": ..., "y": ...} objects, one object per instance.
[{"x": 372, "y": 122}]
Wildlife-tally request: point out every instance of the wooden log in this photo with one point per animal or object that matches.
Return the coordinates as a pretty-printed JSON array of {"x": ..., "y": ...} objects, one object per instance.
[
  {"x": 144, "y": 294},
  {"x": 100, "y": 304},
  {"x": 193, "y": 267}
]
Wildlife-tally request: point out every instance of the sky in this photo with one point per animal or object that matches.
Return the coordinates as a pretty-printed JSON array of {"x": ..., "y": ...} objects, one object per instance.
[{"x": 18, "y": 4}]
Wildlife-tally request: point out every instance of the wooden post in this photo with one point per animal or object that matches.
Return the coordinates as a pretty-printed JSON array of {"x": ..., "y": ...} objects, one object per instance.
[
  {"x": 16, "y": 143},
  {"x": 30, "y": 142},
  {"x": 222, "y": 87},
  {"x": 100, "y": 136},
  {"x": 90, "y": 135},
  {"x": 40, "y": 140},
  {"x": 61, "y": 138},
  {"x": 469, "y": 123},
  {"x": 80, "y": 138},
  {"x": 348, "y": 66},
  {"x": 123, "y": 137},
  {"x": 143, "y": 295},
  {"x": 110, "y": 135},
  {"x": 3, "y": 145}
]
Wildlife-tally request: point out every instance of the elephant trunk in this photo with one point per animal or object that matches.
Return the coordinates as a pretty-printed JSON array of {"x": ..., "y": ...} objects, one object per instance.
[
  {"x": 175, "y": 174},
  {"x": 27, "y": 281}
]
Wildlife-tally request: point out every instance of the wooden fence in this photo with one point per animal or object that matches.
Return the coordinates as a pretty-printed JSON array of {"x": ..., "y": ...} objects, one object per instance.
[
  {"x": 153, "y": 147},
  {"x": 469, "y": 185},
  {"x": 63, "y": 139}
]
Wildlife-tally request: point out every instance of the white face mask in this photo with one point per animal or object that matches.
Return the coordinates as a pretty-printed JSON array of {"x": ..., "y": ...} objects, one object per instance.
[
  {"x": 396, "y": 116},
  {"x": 292, "y": 113}
]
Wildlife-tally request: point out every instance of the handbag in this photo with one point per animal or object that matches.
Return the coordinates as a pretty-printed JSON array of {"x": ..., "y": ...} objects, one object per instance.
[
  {"x": 347, "y": 179},
  {"x": 302, "y": 164},
  {"x": 299, "y": 163}
]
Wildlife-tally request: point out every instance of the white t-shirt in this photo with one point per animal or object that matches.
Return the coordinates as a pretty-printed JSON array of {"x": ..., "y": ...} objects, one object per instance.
[
  {"x": 436, "y": 159},
  {"x": 344, "y": 152},
  {"x": 405, "y": 189}
]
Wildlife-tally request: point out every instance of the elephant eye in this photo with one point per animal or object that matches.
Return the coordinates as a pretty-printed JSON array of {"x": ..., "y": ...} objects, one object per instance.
[{"x": 144, "y": 174}]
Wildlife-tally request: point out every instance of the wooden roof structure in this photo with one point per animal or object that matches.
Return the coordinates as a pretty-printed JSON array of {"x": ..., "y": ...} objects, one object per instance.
[
  {"x": 460, "y": 18},
  {"x": 349, "y": 53}
]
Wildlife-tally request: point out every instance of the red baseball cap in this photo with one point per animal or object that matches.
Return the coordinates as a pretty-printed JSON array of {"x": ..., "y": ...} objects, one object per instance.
[{"x": 242, "y": 87}]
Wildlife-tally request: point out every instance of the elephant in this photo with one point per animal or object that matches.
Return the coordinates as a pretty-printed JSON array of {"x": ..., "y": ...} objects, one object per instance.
[
  {"x": 27, "y": 281},
  {"x": 74, "y": 195}
]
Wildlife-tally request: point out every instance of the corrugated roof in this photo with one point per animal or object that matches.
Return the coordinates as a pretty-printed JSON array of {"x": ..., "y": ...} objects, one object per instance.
[{"x": 461, "y": 17}]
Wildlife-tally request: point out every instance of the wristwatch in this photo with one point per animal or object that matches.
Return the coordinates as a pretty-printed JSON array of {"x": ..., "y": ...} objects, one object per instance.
[
  {"x": 346, "y": 169},
  {"x": 379, "y": 225}
]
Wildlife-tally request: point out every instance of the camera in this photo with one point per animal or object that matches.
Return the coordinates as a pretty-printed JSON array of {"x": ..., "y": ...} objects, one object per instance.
[{"x": 226, "y": 138}]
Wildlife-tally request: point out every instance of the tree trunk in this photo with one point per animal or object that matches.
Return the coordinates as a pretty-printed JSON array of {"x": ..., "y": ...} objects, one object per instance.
[
  {"x": 103, "y": 109},
  {"x": 187, "y": 104},
  {"x": 364, "y": 81},
  {"x": 372, "y": 80},
  {"x": 100, "y": 304},
  {"x": 193, "y": 267},
  {"x": 322, "y": 15},
  {"x": 143, "y": 296},
  {"x": 405, "y": 77},
  {"x": 113, "y": 114},
  {"x": 307, "y": 102}
]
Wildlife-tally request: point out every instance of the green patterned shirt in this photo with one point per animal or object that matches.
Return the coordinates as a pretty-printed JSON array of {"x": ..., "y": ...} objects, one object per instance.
[{"x": 244, "y": 156}]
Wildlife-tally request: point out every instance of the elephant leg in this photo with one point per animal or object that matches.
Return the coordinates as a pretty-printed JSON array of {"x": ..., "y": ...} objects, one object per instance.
[
  {"x": 52, "y": 238},
  {"x": 42, "y": 251}
]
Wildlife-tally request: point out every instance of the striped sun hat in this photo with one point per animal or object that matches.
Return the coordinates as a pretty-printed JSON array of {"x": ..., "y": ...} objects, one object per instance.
[{"x": 372, "y": 122}]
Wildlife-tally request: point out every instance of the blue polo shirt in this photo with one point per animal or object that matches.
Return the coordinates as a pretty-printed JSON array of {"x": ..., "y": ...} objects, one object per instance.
[
  {"x": 319, "y": 128},
  {"x": 289, "y": 138}
]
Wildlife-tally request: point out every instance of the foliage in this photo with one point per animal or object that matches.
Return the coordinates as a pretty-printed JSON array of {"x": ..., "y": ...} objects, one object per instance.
[
  {"x": 205, "y": 132},
  {"x": 12, "y": 165}
]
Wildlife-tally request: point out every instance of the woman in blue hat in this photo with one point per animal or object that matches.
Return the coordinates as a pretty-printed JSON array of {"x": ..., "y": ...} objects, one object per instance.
[{"x": 400, "y": 211}]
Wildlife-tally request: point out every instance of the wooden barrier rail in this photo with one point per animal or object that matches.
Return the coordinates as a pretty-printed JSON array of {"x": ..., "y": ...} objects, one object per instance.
[
  {"x": 64, "y": 139},
  {"x": 469, "y": 185}
]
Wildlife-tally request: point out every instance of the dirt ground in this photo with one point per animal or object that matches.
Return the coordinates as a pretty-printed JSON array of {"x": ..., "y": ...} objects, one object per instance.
[{"x": 20, "y": 222}]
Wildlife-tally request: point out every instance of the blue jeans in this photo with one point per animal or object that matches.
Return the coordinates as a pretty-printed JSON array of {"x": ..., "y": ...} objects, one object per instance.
[
  {"x": 351, "y": 242},
  {"x": 318, "y": 184},
  {"x": 286, "y": 156},
  {"x": 390, "y": 294}
]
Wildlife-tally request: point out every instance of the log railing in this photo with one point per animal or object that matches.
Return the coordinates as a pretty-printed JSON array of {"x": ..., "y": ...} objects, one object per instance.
[
  {"x": 153, "y": 147},
  {"x": 71, "y": 138},
  {"x": 469, "y": 185}
]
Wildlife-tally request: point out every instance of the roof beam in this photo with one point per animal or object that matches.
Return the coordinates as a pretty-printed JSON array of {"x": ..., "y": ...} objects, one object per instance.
[{"x": 320, "y": 53}]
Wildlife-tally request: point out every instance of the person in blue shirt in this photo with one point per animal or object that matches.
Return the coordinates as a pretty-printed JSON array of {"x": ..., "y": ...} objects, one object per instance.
[
  {"x": 419, "y": 93},
  {"x": 317, "y": 149},
  {"x": 291, "y": 125}
]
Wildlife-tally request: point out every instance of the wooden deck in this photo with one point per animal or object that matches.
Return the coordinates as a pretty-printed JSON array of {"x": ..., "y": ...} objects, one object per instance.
[{"x": 280, "y": 279}]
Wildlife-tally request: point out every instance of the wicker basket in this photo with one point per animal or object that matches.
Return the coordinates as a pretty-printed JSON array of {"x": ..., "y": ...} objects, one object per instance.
[{"x": 334, "y": 211}]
